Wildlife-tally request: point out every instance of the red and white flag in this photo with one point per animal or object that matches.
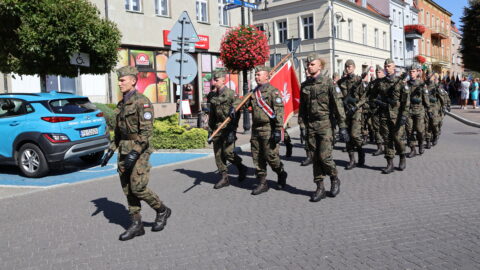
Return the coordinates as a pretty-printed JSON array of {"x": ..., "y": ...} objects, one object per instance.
[{"x": 285, "y": 80}]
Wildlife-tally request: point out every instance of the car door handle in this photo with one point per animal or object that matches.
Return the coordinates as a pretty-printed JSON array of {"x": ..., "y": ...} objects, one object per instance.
[{"x": 15, "y": 123}]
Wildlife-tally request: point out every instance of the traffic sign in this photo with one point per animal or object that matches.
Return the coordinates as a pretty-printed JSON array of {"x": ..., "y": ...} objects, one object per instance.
[
  {"x": 231, "y": 6},
  {"x": 250, "y": 5},
  {"x": 80, "y": 59},
  {"x": 181, "y": 68},
  {"x": 183, "y": 26}
]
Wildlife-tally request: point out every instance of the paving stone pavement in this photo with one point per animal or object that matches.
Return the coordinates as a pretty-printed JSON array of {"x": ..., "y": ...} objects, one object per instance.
[{"x": 425, "y": 217}]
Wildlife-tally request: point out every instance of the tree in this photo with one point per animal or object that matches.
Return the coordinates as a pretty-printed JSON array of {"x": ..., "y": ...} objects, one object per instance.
[
  {"x": 39, "y": 36},
  {"x": 471, "y": 36}
]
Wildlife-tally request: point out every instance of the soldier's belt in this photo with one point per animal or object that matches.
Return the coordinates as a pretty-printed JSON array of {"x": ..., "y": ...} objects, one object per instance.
[{"x": 129, "y": 137}]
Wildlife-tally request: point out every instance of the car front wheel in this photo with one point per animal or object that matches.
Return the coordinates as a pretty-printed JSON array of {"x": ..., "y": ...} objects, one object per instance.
[{"x": 31, "y": 161}]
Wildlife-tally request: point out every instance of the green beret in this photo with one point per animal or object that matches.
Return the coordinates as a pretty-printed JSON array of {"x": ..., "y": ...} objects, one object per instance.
[
  {"x": 262, "y": 68},
  {"x": 312, "y": 57},
  {"x": 378, "y": 68},
  {"x": 349, "y": 63},
  {"x": 219, "y": 74},
  {"x": 389, "y": 61},
  {"x": 127, "y": 71}
]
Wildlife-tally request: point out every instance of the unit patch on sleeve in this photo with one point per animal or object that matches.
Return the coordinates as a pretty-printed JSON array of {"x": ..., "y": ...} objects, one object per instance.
[{"x": 147, "y": 115}]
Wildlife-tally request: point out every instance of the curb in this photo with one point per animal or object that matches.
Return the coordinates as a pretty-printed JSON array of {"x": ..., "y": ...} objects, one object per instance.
[{"x": 463, "y": 120}]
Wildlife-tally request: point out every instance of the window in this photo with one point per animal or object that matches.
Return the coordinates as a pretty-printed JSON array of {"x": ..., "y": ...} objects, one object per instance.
[
  {"x": 202, "y": 10},
  {"x": 222, "y": 14},
  {"x": 282, "y": 31},
  {"x": 260, "y": 27},
  {"x": 395, "y": 49},
  {"x": 11, "y": 107},
  {"x": 428, "y": 47},
  {"x": 161, "y": 7},
  {"x": 307, "y": 27},
  {"x": 133, "y": 5},
  {"x": 364, "y": 33},
  {"x": 384, "y": 40},
  {"x": 400, "y": 49},
  {"x": 427, "y": 19},
  {"x": 338, "y": 27},
  {"x": 400, "y": 19},
  {"x": 420, "y": 14},
  {"x": 376, "y": 38},
  {"x": 350, "y": 29},
  {"x": 394, "y": 17}
]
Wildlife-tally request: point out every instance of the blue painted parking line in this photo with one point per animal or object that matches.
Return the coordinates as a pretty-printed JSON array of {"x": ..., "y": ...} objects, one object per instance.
[{"x": 77, "y": 171}]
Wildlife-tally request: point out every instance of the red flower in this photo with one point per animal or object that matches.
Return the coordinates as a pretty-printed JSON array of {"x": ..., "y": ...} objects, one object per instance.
[{"x": 243, "y": 48}]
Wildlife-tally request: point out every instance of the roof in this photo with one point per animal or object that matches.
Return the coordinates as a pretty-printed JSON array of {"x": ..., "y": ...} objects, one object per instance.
[{"x": 40, "y": 96}]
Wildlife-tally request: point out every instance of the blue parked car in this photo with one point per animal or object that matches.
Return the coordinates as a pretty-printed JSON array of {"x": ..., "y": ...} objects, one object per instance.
[{"x": 41, "y": 130}]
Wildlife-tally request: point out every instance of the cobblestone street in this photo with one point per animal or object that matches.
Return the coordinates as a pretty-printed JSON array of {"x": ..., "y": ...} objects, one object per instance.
[{"x": 425, "y": 217}]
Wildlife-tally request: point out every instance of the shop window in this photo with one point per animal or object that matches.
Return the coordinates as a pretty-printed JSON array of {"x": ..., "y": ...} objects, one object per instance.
[{"x": 133, "y": 5}]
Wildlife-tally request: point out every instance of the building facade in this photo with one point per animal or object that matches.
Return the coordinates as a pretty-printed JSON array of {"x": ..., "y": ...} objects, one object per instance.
[
  {"x": 338, "y": 30},
  {"x": 435, "y": 45},
  {"x": 145, "y": 25},
  {"x": 457, "y": 68}
]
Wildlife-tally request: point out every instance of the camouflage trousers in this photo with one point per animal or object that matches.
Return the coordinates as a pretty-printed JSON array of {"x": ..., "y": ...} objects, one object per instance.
[
  {"x": 320, "y": 143},
  {"x": 134, "y": 184},
  {"x": 354, "y": 128},
  {"x": 416, "y": 128},
  {"x": 223, "y": 153},
  {"x": 375, "y": 122},
  {"x": 432, "y": 129},
  {"x": 392, "y": 137},
  {"x": 265, "y": 151}
]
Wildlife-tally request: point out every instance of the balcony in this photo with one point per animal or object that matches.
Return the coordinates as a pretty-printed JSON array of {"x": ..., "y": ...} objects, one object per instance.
[
  {"x": 442, "y": 60},
  {"x": 440, "y": 33},
  {"x": 414, "y": 31}
]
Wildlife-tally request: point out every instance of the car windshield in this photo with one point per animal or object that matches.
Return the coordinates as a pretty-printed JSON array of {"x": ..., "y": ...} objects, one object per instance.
[{"x": 72, "y": 106}]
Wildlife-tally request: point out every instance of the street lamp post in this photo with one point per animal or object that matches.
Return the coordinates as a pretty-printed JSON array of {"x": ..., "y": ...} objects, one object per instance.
[{"x": 246, "y": 114}]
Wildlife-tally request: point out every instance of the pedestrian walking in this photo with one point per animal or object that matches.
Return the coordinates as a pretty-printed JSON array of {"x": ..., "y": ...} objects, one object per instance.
[
  {"x": 318, "y": 99},
  {"x": 474, "y": 94},
  {"x": 132, "y": 134},
  {"x": 222, "y": 106},
  {"x": 267, "y": 124},
  {"x": 464, "y": 93}
]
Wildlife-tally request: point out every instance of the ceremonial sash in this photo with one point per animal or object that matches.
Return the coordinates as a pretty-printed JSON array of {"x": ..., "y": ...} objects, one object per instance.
[{"x": 262, "y": 104}]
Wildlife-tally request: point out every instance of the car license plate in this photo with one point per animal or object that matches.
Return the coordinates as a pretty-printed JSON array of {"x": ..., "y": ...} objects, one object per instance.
[{"x": 88, "y": 132}]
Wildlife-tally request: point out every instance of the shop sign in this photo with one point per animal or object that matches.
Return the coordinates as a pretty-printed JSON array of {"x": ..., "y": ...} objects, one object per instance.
[
  {"x": 142, "y": 60},
  {"x": 204, "y": 42}
]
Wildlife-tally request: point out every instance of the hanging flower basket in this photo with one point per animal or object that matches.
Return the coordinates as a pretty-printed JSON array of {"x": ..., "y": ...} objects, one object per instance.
[
  {"x": 420, "y": 59},
  {"x": 243, "y": 48},
  {"x": 418, "y": 28}
]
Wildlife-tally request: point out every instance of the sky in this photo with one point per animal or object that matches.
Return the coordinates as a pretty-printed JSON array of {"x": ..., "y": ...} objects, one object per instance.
[{"x": 455, "y": 7}]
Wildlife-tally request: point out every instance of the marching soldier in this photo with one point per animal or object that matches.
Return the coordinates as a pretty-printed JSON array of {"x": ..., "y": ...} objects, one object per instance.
[
  {"x": 372, "y": 94},
  {"x": 222, "y": 106},
  {"x": 436, "y": 101},
  {"x": 419, "y": 105},
  {"x": 267, "y": 124},
  {"x": 354, "y": 94},
  {"x": 317, "y": 97},
  {"x": 308, "y": 160},
  {"x": 133, "y": 131},
  {"x": 393, "y": 101}
]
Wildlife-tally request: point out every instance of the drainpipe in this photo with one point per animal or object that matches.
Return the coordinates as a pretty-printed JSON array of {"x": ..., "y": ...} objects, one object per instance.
[{"x": 109, "y": 75}]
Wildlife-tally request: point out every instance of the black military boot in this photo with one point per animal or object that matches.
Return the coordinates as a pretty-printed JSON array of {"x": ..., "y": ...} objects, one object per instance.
[
  {"x": 435, "y": 141},
  {"x": 429, "y": 145},
  {"x": 389, "y": 168},
  {"x": 163, "y": 213},
  {"x": 352, "y": 163},
  {"x": 282, "y": 179},
  {"x": 320, "y": 193},
  {"x": 335, "y": 187},
  {"x": 379, "y": 150},
  {"x": 223, "y": 182},
  {"x": 361, "y": 157},
  {"x": 421, "y": 149},
  {"x": 262, "y": 187},
  {"x": 289, "y": 147},
  {"x": 413, "y": 152},
  {"x": 242, "y": 172},
  {"x": 308, "y": 160},
  {"x": 403, "y": 162},
  {"x": 135, "y": 229}
]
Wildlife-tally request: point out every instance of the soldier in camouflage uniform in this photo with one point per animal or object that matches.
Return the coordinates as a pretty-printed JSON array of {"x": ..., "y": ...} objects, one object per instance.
[
  {"x": 133, "y": 131},
  {"x": 222, "y": 106},
  {"x": 445, "y": 106},
  {"x": 394, "y": 103},
  {"x": 372, "y": 94},
  {"x": 419, "y": 106},
  {"x": 437, "y": 103},
  {"x": 318, "y": 97},
  {"x": 354, "y": 93},
  {"x": 267, "y": 124}
]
